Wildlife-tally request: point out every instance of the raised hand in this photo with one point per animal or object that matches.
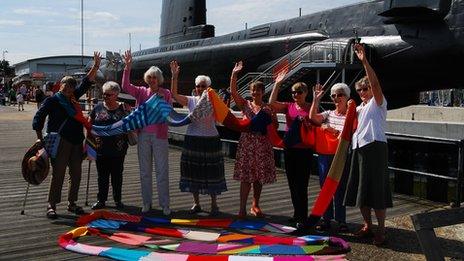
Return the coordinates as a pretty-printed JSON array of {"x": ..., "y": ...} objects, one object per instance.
[
  {"x": 175, "y": 68},
  {"x": 318, "y": 92},
  {"x": 97, "y": 59},
  {"x": 128, "y": 58},
  {"x": 280, "y": 77},
  {"x": 360, "y": 52},
  {"x": 238, "y": 67}
]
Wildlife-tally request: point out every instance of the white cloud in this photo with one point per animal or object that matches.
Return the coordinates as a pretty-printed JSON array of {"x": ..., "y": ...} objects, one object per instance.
[
  {"x": 12, "y": 23},
  {"x": 35, "y": 11},
  {"x": 100, "y": 16},
  {"x": 122, "y": 31}
]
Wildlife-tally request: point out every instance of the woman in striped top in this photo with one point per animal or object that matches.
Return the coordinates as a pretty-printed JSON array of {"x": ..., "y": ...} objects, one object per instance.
[{"x": 331, "y": 121}]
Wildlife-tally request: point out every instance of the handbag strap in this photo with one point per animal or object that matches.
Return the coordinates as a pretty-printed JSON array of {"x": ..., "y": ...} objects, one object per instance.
[{"x": 62, "y": 125}]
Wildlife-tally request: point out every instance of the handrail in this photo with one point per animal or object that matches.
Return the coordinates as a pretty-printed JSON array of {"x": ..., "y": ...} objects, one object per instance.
[{"x": 331, "y": 51}]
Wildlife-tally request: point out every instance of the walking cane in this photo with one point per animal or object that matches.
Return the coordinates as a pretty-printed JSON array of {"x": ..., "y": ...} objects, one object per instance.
[
  {"x": 25, "y": 198},
  {"x": 87, "y": 190}
]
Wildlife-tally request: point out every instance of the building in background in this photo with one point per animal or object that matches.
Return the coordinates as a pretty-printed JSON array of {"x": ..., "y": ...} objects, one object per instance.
[{"x": 37, "y": 71}]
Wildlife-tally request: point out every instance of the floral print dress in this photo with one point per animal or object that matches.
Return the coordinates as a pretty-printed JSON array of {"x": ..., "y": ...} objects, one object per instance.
[{"x": 255, "y": 156}]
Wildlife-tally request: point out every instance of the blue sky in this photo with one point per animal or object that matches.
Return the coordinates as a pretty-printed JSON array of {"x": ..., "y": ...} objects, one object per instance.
[{"x": 36, "y": 28}]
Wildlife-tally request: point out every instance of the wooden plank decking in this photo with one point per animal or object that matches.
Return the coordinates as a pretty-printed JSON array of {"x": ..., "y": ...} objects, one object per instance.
[{"x": 34, "y": 237}]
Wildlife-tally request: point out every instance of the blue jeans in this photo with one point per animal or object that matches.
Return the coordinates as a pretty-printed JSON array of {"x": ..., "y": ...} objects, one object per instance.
[{"x": 323, "y": 165}]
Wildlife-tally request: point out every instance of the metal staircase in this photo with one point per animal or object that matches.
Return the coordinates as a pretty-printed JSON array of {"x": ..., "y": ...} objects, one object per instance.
[{"x": 333, "y": 57}]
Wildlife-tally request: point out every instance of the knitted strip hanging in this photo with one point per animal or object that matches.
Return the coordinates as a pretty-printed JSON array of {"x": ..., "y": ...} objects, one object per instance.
[
  {"x": 336, "y": 169},
  {"x": 154, "y": 110}
]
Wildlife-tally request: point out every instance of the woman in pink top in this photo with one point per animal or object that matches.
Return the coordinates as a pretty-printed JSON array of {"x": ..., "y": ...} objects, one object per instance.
[
  {"x": 297, "y": 158},
  {"x": 153, "y": 139}
]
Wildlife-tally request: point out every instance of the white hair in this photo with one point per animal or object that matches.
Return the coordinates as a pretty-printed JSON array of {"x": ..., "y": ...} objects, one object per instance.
[
  {"x": 111, "y": 86},
  {"x": 341, "y": 86},
  {"x": 203, "y": 78},
  {"x": 154, "y": 71}
]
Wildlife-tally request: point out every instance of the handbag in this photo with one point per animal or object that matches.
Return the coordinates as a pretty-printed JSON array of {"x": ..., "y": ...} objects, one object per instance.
[
  {"x": 132, "y": 138},
  {"x": 52, "y": 141}
]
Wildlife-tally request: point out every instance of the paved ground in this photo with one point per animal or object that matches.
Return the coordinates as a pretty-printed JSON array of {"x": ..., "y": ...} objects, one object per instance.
[{"x": 33, "y": 237}]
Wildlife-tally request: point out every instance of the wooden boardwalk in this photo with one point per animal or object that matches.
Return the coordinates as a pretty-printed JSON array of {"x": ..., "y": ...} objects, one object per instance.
[{"x": 34, "y": 237}]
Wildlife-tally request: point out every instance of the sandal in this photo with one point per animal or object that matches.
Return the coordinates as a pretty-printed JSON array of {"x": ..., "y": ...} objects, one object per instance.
[
  {"x": 195, "y": 209},
  {"x": 379, "y": 239},
  {"x": 51, "y": 213},
  {"x": 214, "y": 211},
  {"x": 364, "y": 232},
  {"x": 75, "y": 209},
  {"x": 256, "y": 212}
]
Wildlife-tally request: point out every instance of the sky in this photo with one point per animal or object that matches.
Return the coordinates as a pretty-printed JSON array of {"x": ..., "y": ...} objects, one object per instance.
[{"x": 37, "y": 28}]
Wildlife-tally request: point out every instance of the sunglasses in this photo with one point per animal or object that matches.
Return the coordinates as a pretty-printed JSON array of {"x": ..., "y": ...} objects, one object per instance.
[
  {"x": 337, "y": 95},
  {"x": 201, "y": 86},
  {"x": 362, "y": 89},
  {"x": 297, "y": 92}
]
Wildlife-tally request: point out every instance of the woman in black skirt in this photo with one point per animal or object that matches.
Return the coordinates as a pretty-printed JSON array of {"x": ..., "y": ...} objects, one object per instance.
[
  {"x": 368, "y": 183},
  {"x": 202, "y": 162}
]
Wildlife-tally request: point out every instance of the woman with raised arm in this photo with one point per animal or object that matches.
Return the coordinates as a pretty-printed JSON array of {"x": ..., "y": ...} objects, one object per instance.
[
  {"x": 333, "y": 122},
  {"x": 297, "y": 158},
  {"x": 152, "y": 139},
  {"x": 254, "y": 165},
  {"x": 368, "y": 183},
  {"x": 202, "y": 162}
]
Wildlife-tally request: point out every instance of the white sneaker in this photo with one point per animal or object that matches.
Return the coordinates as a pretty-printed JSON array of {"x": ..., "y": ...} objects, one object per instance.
[
  {"x": 146, "y": 208},
  {"x": 166, "y": 211}
]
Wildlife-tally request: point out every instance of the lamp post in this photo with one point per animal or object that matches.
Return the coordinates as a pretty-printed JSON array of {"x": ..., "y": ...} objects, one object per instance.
[{"x": 4, "y": 67}]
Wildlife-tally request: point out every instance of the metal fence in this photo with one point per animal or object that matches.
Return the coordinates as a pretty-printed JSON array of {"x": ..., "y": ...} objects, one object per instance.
[{"x": 438, "y": 160}]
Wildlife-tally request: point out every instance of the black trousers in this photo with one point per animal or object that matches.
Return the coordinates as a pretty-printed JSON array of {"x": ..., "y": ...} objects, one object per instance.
[
  {"x": 110, "y": 167},
  {"x": 298, "y": 168}
]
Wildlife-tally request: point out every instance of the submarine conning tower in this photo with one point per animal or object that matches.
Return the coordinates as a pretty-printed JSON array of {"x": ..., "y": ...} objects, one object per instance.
[{"x": 183, "y": 20}]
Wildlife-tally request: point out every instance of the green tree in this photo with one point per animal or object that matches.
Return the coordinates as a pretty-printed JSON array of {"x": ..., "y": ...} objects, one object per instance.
[{"x": 5, "y": 69}]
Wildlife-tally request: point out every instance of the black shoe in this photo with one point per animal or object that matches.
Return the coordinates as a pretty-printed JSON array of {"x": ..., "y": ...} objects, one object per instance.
[
  {"x": 119, "y": 205},
  {"x": 51, "y": 213},
  {"x": 324, "y": 226},
  {"x": 98, "y": 205},
  {"x": 75, "y": 209}
]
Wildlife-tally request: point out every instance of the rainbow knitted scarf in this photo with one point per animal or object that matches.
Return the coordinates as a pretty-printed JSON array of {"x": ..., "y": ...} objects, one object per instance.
[{"x": 73, "y": 109}]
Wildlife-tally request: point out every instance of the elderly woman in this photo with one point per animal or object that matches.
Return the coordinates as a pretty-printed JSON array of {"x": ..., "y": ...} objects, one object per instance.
[
  {"x": 153, "y": 139},
  {"x": 297, "y": 158},
  {"x": 254, "y": 163},
  {"x": 111, "y": 150},
  {"x": 202, "y": 163},
  {"x": 333, "y": 122},
  {"x": 70, "y": 148},
  {"x": 368, "y": 183}
]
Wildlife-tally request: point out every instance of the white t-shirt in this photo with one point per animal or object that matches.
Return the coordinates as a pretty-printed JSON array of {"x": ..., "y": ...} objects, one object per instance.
[
  {"x": 203, "y": 127},
  {"x": 333, "y": 120},
  {"x": 19, "y": 98},
  {"x": 372, "y": 123}
]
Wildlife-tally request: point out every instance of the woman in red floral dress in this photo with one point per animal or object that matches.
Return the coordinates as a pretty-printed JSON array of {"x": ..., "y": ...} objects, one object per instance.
[{"x": 254, "y": 165}]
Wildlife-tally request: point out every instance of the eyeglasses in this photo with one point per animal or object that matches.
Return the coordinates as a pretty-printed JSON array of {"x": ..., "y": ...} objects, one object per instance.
[
  {"x": 201, "y": 86},
  {"x": 297, "y": 92},
  {"x": 337, "y": 95},
  {"x": 362, "y": 89},
  {"x": 106, "y": 94}
]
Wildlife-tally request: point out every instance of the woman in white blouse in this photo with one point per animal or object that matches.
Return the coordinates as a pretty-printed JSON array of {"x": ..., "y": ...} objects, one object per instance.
[{"x": 368, "y": 183}]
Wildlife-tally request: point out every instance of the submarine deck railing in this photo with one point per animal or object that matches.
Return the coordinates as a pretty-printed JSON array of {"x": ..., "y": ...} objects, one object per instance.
[
  {"x": 458, "y": 180},
  {"x": 323, "y": 53},
  {"x": 458, "y": 144}
]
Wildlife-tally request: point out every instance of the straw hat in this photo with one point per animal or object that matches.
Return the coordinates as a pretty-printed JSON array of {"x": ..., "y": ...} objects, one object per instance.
[{"x": 35, "y": 164}]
